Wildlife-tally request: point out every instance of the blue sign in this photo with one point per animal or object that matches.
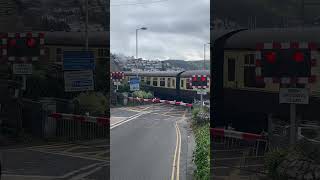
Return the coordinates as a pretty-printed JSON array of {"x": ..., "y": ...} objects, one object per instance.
[
  {"x": 78, "y": 81},
  {"x": 78, "y": 60},
  {"x": 134, "y": 84}
]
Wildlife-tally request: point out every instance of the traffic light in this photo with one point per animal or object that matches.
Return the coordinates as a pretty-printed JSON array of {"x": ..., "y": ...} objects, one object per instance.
[
  {"x": 280, "y": 63},
  {"x": 199, "y": 81},
  {"x": 117, "y": 75}
]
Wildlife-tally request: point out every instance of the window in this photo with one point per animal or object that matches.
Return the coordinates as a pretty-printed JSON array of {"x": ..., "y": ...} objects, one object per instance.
[
  {"x": 142, "y": 79},
  {"x": 155, "y": 81},
  {"x": 231, "y": 69},
  {"x": 162, "y": 82},
  {"x": 173, "y": 83},
  {"x": 58, "y": 55},
  {"x": 168, "y": 82},
  {"x": 250, "y": 72},
  {"x": 189, "y": 86},
  {"x": 148, "y": 81},
  {"x": 102, "y": 52},
  {"x": 182, "y": 83}
]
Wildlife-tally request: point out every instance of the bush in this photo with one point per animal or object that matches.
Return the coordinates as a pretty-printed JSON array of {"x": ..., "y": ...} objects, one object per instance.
[
  {"x": 94, "y": 103},
  {"x": 200, "y": 115},
  {"x": 201, "y": 155},
  {"x": 142, "y": 94},
  {"x": 273, "y": 160}
]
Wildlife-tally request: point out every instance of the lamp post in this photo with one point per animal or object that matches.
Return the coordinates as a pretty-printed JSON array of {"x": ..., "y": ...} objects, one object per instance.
[
  {"x": 204, "y": 56},
  {"x": 143, "y": 28}
]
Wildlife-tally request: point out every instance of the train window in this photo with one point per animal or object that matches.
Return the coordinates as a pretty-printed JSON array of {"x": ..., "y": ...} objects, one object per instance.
[
  {"x": 182, "y": 83},
  {"x": 249, "y": 59},
  {"x": 148, "y": 81},
  {"x": 168, "y": 82},
  {"x": 155, "y": 81},
  {"x": 162, "y": 82},
  {"x": 189, "y": 84},
  {"x": 173, "y": 82},
  {"x": 142, "y": 79},
  {"x": 231, "y": 69}
]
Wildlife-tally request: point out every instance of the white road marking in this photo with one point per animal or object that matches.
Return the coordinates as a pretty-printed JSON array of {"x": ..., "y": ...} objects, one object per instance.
[{"x": 129, "y": 119}]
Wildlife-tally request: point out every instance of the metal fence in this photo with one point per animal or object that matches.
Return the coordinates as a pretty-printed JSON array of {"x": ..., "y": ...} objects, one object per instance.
[{"x": 71, "y": 127}]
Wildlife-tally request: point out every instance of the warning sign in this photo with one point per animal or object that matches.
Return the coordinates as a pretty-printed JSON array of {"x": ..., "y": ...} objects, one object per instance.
[{"x": 294, "y": 96}]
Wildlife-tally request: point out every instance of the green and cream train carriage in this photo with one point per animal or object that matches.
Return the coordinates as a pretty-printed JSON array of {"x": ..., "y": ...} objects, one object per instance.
[
  {"x": 248, "y": 102},
  {"x": 170, "y": 85}
]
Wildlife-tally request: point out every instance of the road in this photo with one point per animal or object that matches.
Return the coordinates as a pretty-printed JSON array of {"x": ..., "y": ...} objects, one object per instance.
[
  {"x": 149, "y": 142},
  {"x": 81, "y": 160}
]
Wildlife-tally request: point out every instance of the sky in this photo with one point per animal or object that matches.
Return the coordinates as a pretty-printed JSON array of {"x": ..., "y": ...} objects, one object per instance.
[{"x": 176, "y": 29}]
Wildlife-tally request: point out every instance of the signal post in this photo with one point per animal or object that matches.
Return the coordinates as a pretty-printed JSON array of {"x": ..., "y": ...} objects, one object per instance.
[{"x": 291, "y": 66}]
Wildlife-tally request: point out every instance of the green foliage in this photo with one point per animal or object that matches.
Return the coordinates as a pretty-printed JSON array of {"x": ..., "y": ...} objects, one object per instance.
[
  {"x": 142, "y": 94},
  {"x": 273, "y": 160},
  {"x": 94, "y": 103},
  {"x": 201, "y": 155},
  {"x": 124, "y": 88},
  {"x": 198, "y": 115}
]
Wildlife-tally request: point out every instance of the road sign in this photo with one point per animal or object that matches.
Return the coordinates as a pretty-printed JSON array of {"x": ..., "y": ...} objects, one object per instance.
[
  {"x": 117, "y": 83},
  {"x": 294, "y": 96},
  {"x": 78, "y": 60},
  {"x": 134, "y": 84},
  {"x": 199, "y": 81},
  {"x": 78, "y": 81},
  {"x": 22, "y": 69}
]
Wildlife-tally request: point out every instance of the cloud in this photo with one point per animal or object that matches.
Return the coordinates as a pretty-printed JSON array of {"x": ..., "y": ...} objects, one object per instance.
[{"x": 176, "y": 29}]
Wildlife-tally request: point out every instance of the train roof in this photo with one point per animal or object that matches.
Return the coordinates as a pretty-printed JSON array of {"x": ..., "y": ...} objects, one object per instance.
[
  {"x": 154, "y": 73},
  {"x": 249, "y": 38},
  {"x": 99, "y": 38},
  {"x": 195, "y": 72}
]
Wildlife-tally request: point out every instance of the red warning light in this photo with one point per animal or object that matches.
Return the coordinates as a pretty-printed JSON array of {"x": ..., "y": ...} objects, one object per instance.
[
  {"x": 12, "y": 43},
  {"x": 298, "y": 57},
  {"x": 271, "y": 57},
  {"x": 31, "y": 42},
  {"x": 203, "y": 78},
  {"x": 194, "y": 78}
]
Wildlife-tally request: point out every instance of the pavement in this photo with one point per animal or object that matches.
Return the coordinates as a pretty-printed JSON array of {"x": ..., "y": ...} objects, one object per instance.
[
  {"x": 150, "y": 142},
  {"x": 82, "y": 160}
]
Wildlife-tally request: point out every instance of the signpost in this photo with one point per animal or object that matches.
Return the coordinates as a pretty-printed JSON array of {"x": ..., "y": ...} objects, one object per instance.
[
  {"x": 117, "y": 77},
  {"x": 78, "y": 69},
  {"x": 78, "y": 81},
  {"x": 134, "y": 84},
  {"x": 293, "y": 96},
  {"x": 22, "y": 69},
  {"x": 78, "y": 60},
  {"x": 200, "y": 82}
]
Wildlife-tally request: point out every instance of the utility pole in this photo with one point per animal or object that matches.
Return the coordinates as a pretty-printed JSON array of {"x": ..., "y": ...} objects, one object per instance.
[{"x": 86, "y": 25}]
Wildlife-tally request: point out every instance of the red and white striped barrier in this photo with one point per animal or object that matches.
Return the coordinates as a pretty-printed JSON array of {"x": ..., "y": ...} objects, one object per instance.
[
  {"x": 286, "y": 45},
  {"x": 156, "y": 100},
  {"x": 99, "y": 120},
  {"x": 236, "y": 134}
]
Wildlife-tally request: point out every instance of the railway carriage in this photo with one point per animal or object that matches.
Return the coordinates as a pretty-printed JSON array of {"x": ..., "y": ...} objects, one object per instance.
[{"x": 170, "y": 85}]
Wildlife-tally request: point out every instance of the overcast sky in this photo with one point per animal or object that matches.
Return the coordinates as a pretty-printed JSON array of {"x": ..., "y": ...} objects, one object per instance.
[{"x": 177, "y": 29}]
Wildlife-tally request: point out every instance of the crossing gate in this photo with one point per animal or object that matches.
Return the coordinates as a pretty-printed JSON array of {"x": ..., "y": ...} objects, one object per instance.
[{"x": 72, "y": 127}]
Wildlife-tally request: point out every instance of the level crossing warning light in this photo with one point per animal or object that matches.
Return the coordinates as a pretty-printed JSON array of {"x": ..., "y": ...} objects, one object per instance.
[{"x": 199, "y": 81}]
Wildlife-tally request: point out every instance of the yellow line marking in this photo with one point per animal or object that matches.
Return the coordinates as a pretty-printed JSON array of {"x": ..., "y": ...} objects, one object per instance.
[
  {"x": 175, "y": 153},
  {"x": 179, "y": 151}
]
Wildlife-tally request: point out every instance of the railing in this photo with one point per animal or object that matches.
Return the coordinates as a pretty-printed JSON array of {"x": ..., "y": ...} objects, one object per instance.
[{"x": 72, "y": 127}]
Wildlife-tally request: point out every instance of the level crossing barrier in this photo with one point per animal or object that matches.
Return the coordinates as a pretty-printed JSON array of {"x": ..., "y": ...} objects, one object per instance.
[
  {"x": 78, "y": 127},
  {"x": 156, "y": 100}
]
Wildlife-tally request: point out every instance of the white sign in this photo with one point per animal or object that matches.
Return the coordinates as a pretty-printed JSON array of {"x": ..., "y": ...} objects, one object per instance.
[
  {"x": 294, "y": 96},
  {"x": 78, "y": 81},
  {"x": 116, "y": 83},
  {"x": 22, "y": 69},
  {"x": 202, "y": 91}
]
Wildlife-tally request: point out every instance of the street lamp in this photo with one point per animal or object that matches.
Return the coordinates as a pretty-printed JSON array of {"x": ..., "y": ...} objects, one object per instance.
[
  {"x": 143, "y": 28},
  {"x": 204, "y": 56}
]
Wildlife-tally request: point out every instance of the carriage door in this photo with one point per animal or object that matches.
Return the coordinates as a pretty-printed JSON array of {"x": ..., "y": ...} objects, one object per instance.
[
  {"x": 231, "y": 73},
  {"x": 249, "y": 71}
]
